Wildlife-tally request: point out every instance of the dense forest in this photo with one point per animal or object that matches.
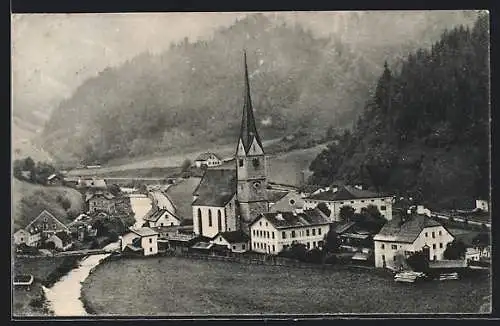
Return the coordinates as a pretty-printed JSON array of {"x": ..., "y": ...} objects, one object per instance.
[
  {"x": 191, "y": 94},
  {"x": 425, "y": 132}
]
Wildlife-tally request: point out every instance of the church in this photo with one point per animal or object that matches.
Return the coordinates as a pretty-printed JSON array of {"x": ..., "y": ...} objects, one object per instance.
[{"x": 230, "y": 199}]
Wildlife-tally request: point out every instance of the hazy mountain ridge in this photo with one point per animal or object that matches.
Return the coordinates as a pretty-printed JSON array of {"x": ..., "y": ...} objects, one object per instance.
[{"x": 192, "y": 93}]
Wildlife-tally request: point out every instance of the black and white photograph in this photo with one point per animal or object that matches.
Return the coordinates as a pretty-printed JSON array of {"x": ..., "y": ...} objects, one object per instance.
[{"x": 312, "y": 163}]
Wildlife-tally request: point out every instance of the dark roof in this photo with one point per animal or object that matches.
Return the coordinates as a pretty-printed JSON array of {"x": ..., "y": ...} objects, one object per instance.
[
  {"x": 216, "y": 188},
  {"x": 273, "y": 195},
  {"x": 234, "y": 236},
  {"x": 248, "y": 130},
  {"x": 291, "y": 219},
  {"x": 155, "y": 213},
  {"x": 344, "y": 227},
  {"x": 310, "y": 188},
  {"x": 206, "y": 156},
  {"x": 406, "y": 232},
  {"x": 144, "y": 232},
  {"x": 65, "y": 237},
  {"x": 89, "y": 195},
  {"x": 346, "y": 193}
]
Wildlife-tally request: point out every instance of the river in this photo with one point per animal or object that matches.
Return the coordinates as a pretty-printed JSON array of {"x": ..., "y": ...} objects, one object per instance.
[{"x": 64, "y": 296}]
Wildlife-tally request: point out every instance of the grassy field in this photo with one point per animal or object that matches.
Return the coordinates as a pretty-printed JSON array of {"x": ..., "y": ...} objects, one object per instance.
[
  {"x": 29, "y": 200},
  {"x": 176, "y": 286}
]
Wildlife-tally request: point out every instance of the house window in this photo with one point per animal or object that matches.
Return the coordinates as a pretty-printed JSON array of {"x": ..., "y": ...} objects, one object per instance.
[
  {"x": 308, "y": 245},
  {"x": 394, "y": 247},
  {"x": 273, "y": 249},
  {"x": 362, "y": 201},
  {"x": 150, "y": 249},
  {"x": 22, "y": 239},
  {"x": 234, "y": 247},
  {"x": 161, "y": 224},
  {"x": 382, "y": 246},
  {"x": 283, "y": 235},
  {"x": 260, "y": 223},
  {"x": 426, "y": 234},
  {"x": 433, "y": 235},
  {"x": 319, "y": 231},
  {"x": 314, "y": 244},
  {"x": 433, "y": 246},
  {"x": 171, "y": 223},
  {"x": 382, "y": 208},
  {"x": 230, "y": 205},
  {"x": 267, "y": 234},
  {"x": 440, "y": 245},
  {"x": 434, "y": 257},
  {"x": 243, "y": 246},
  {"x": 440, "y": 233},
  {"x": 341, "y": 203},
  {"x": 272, "y": 234},
  {"x": 240, "y": 162},
  {"x": 293, "y": 234},
  {"x": 352, "y": 201},
  {"x": 394, "y": 258},
  {"x": 150, "y": 240},
  {"x": 383, "y": 257},
  {"x": 253, "y": 232},
  {"x": 313, "y": 232},
  {"x": 307, "y": 232},
  {"x": 373, "y": 200},
  {"x": 256, "y": 162},
  {"x": 320, "y": 243}
]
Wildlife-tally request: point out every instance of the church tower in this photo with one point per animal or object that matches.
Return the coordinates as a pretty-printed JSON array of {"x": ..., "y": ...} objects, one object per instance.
[{"x": 251, "y": 165}]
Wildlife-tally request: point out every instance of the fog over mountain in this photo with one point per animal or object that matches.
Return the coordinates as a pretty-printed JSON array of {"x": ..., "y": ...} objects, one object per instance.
[{"x": 123, "y": 85}]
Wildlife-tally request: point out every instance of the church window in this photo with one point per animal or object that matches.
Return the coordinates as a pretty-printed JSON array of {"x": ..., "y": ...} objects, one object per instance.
[
  {"x": 240, "y": 162},
  {"x": 256, "y": 184},
  {"x": 256, "y": 162},
  {"x": 219, "y": 220},
  {"x": 209, "y": 217}
]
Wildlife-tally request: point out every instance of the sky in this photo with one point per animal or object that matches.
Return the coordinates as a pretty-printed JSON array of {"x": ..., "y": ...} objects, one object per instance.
[{"x": 52, "y": 54}]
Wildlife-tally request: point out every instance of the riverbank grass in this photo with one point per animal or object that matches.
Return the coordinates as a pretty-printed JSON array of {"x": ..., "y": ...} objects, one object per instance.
[{"x": 177, "y": 286}]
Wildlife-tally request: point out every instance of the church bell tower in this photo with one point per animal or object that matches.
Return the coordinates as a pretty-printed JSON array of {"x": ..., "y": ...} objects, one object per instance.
[{"x": 251, "y": 164}]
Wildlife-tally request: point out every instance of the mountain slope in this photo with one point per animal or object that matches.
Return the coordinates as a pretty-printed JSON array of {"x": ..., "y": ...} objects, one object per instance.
[
  {"x": 191, "y": 93},
  {"x": 426, "y": 130}
]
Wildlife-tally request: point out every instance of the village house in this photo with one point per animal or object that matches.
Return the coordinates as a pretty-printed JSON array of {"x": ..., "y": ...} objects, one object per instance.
[
  {"x": 61, "y": 240},
  {"x": 235, "y": 241},
  {"x": 208, "y": 160},
  {"x": 272, "y": 232},
  {"x": 402, "y": 236},
  {"x": 214, "y": 204},
  {"x": 100, "y": 201},
  {"x": 482, "y": 205},
  {"x": 92, "y": 184},
  {"x": 357, "y": 198},
  {"x": 47, "y": 223},
  {"x": 143, "y": 241},
  {"x": 157, "y": 217},
  {"x": 31, "y": 237}
]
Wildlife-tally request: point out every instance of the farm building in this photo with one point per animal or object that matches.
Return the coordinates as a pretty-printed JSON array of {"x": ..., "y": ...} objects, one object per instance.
[
  {"x": 208, "y": 160},
  {"x": 143, "y": 240},
  {"x": 236, "y": 241}
]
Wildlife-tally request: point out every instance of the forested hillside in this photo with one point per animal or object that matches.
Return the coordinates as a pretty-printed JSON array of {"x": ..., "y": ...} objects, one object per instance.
[
  {"x": 426, "y": 130},
  {"x": 191, "y": 94}
]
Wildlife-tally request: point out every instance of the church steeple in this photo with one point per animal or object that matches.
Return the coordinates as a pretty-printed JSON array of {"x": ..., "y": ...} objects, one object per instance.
[{"x": 248, "y": 132}]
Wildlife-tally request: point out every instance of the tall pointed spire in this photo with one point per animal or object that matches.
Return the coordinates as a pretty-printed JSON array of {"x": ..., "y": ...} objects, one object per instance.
[{"x": 248, "y": 130}]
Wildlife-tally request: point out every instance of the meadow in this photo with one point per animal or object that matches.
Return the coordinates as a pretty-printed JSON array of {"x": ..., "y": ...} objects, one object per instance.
[{"x": 178, "y": 286}]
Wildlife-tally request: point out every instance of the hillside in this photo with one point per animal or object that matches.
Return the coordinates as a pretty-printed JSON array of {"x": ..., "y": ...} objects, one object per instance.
[
  {"x": 191, "y": 94},
  {"x": 426, "y": 130},
  {"x": 29, "y": 200}
]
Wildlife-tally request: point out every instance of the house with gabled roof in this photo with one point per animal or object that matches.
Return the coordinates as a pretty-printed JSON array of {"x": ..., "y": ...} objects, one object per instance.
[
  {"x": 207, "y": 159},
  {"x": 273, "y": 231},
  {"x": 100, "y": 201},
  {"x": 158, "y": 217},
  {"x": 404, "y": 235},
  {"x": 47, "y": 223},
  {"x": 140, "y": 240},
  {"x": 62, "y": 240},
  {"x": 236, "y": 241},
  {"x": 214, "y": 203},
  {"x": 353, "y": 196},
  {"x": 31, "y": 237}
]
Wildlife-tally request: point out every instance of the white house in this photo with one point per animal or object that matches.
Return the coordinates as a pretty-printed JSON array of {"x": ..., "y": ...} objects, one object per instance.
[
  {"x": 61, "y": 240},
  {"x": 207, "y": 159},
  {"x": 272, "y": 232},
  {"x": 482, "y": 205},
  {"x": 401, "y": 237},
  {"x": 143, "y": 240},
  {"x": 357, "y": 198},
  {"x": 31, "y": 237},
  {"x": 236, "y": 241},
  {"x": 214, "y": 203},
  {"x": 161, "y": 217}
]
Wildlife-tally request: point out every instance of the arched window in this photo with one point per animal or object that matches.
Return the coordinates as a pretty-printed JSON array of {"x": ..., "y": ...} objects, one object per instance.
[
  {"x": 209, "y": 217},
  {"x": 219, "y": 220},
  {"x": 200, "y": 228}
]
